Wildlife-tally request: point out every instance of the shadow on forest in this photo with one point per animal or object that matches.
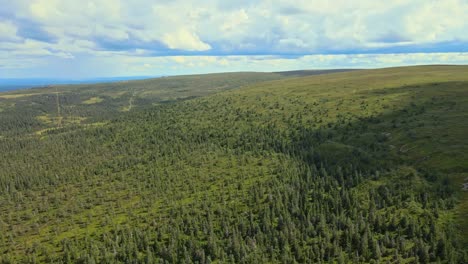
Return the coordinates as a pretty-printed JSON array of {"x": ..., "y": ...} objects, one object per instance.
[{"x": 367, "y": 143}]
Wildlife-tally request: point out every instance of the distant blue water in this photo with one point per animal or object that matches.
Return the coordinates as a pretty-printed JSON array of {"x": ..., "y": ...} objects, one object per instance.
[
  {"x": 16, "y": 84},
  {"x": 6, "y": 88}
]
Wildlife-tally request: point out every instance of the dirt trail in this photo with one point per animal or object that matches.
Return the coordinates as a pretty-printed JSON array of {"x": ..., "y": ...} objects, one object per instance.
[
  {"x": 59, "y": 116},
  {"x": 405, "y": 148},
  {"x": 130, "y": 101}
]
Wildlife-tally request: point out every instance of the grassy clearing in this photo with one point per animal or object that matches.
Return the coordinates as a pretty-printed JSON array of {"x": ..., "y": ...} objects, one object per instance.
[
  {"x": 93, "y": 100},
  {"x": 18, "y": 95},
  {"x": 47, "y": 119}
]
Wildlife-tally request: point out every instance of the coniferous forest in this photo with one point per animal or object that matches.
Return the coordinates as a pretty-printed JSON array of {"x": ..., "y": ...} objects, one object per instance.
[{"x": 359, "y": 166}]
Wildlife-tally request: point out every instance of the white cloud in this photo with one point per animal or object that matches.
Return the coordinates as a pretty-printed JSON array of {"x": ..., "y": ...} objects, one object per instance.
[
  {"x": 122, "y": 64},
  {"x": 269, "y": 26},
  {"x": 44, "y": 9},
  {"x": 203, "y": 64},
  {"x": 292, "y": 43},
  {"x": 439, "y": 21},
  {"x": 234, "y": 20},
  {"x": 112, "y": 29},
  {"x": 184, "y": 40},
  {"x": 30, "y": 48},
  {"x": 8, "y": 32}
]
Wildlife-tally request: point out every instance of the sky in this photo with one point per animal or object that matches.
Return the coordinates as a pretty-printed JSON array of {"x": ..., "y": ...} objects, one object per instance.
[{"x": 105, "y": 38}]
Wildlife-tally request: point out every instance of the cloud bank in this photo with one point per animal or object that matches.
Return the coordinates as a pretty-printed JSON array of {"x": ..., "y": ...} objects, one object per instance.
[{"x": 102, "y": 37}]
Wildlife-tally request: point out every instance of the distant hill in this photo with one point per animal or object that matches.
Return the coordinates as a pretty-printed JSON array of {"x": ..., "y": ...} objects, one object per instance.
[
  {"x": 11, "y": 84},
  {"x": 301, "y": 73},
  {"x": 15, "y": 84},
  {"x": 12, "y": 87}
]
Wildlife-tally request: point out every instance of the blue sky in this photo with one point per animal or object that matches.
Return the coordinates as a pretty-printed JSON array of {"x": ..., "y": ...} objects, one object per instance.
[{"x": 103, "y": 38}]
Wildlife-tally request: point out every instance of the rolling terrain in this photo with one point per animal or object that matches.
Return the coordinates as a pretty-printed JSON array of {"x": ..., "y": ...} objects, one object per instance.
[
  {"x": 42, "y": 109},
  {"x": 348, "y": 167}
]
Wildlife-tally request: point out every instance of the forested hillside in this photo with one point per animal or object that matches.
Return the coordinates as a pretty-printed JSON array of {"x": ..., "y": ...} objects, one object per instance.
[
  {"x": 40, "y": 110},
  {"x": 351, "y": 167}
]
